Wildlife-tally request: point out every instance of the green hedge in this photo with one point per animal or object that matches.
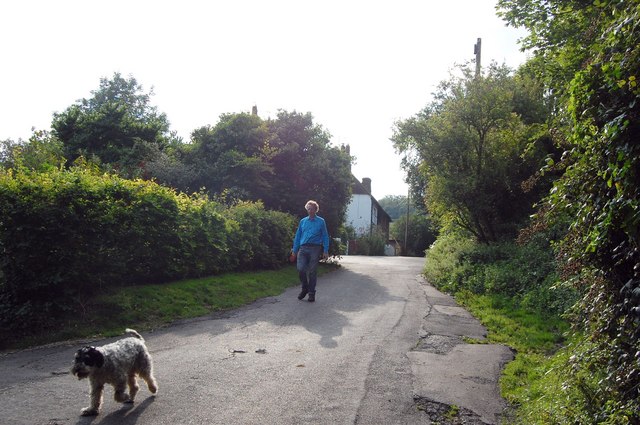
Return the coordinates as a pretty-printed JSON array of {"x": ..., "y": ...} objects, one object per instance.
[
  {"x": 66, "y": 235},
  {"x": 265, "y": 239},
  {"x": 525, "y": 273}
]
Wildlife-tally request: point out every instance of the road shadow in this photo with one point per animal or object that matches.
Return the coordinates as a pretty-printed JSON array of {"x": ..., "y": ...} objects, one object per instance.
[
  {"x": 341, "y": 296},
  {"x": 339, "y": 293},
  {"x": 127, "y": 414}
]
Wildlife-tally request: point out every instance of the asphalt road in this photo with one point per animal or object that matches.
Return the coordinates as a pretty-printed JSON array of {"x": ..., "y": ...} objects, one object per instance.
[{"x": 379, "y": 346}]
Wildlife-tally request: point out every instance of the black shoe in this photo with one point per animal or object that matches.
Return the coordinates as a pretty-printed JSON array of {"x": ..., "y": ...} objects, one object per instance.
[
  {"x": 312, "y": 297},
  {"x": 303, "y": 294}
]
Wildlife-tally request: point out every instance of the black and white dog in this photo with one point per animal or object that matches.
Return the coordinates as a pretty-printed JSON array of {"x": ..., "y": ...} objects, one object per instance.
[{"x": 116, "y": 364}]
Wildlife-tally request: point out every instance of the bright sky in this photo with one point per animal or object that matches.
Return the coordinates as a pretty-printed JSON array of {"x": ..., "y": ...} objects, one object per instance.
[{"x": 357, "y": 66}]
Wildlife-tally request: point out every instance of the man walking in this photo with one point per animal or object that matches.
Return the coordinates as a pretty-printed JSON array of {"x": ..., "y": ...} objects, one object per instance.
[{"x": 311, "y": 241}]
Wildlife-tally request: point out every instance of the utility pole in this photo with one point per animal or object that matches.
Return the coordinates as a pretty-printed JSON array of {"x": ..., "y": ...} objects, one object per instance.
[
  {"x": 406, "y": 224},
  {"x": 477, "y": 48}
]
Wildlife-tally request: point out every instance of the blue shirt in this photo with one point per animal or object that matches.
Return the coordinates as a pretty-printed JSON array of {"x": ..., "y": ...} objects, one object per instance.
[{"x": 312, "y": 231}]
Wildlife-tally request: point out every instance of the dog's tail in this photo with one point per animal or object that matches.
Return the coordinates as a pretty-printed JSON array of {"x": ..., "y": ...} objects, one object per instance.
[{"x": 134, "y": 333}]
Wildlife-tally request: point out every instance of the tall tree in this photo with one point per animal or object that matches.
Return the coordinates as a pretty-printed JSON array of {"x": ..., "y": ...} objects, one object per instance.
[
  {"x": 396, "y": 206},
  {"x": 306, "y": 166},
  {"x": 117, "y": 125},
  {"x": 229, "y": 157},
  {"x": 419, "y": 232},
  {"x": 283, "y": 162},
  {"x": 587, "y": 54},
  {"x": 469, "y": 145}
]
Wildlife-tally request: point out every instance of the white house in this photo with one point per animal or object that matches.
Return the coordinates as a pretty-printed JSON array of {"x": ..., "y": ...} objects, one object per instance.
[{"x": 364, "y": 213}]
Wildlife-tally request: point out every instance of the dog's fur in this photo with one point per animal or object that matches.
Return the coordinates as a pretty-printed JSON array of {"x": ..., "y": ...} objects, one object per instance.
[{"x": 116, "y": 364}]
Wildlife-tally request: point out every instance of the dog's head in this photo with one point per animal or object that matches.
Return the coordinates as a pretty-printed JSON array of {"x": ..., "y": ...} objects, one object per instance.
[{"x": 86, "y": 360}]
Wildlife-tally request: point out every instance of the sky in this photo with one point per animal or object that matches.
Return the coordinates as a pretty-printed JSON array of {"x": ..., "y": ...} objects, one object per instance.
[{"x": 357, "y": 66}]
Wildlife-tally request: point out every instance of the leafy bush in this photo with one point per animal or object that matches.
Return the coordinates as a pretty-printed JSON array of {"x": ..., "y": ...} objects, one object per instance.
[
  {"x": 67, "y": 235},
  {"x": 444, "y": 266},
  {"x": 566, "y": 388},
  {"x": 588, "y": 59},
  {"x": 372, "y": 244},
  {"x": 41, "y": 152},
  {"x": 204, "y": 235},
  {"x": 525, "y": 273},
  {"x": 265, "y": 237}
]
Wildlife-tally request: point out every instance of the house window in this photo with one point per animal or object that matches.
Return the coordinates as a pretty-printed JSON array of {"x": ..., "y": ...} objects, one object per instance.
[{"x": 374, "y": 215}]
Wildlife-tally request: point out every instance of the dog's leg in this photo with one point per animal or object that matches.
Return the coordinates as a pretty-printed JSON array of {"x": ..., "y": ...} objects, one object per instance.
[
  {"x": 146, "y": 372},
  {"x": 96, "y": 400},
  {"x": 150, "y": 380},
  {"x": 119, "y": 393},
  {"x": 133, "y": 387}
]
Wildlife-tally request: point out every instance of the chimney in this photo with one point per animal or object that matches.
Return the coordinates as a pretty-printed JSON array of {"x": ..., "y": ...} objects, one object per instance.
[
  {"x": 366, "y": 182},
  {"x": 347, "y": 150},
  {"x": 254, "y": 110}
]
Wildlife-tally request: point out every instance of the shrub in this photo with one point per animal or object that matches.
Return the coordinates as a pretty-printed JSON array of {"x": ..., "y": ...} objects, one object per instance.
[
  {"x": 525, "y": 272},
  {"x": 264, "y": 238},
  {"x": 205, "y": 237},
  {"x": 445, "y": 267},
  {"x": 371, "y": 244},
  {"x": 66, "y": 235}
]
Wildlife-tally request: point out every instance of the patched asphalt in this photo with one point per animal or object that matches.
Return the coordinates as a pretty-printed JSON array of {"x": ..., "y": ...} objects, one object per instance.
[{"x": 379, "y": 346}]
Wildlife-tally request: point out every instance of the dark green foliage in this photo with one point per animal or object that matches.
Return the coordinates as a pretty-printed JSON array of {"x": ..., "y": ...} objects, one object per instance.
[
  {"x": 228, "y": 157},
  {"x": 41, "y": 152},
  {"x": 305, "y": 166},
  {"x": 587, "y": 54},
  {"x": 396, "y": 205},
  {"x": 468, "y": 153},
  {"x": 282, "y": 163},
  {"x": 66, "y": 236},
  {"x": 118, "y": 126},
  {"x": 371, "y": 244},
  {"x": 265, "y": 237},
  {"x": 420, "y": 233},
  {"x": 523, "y": 273}
]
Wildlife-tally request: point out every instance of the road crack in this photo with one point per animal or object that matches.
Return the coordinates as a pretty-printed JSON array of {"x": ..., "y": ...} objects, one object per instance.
[
  {"x": 446, "y": 414},
  {"x": 437, "y": 344}
]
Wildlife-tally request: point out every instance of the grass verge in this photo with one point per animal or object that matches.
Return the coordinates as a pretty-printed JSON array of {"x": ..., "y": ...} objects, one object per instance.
[
  {"x": 537, "y": 340},
  {"x": 146, "y": 307}
]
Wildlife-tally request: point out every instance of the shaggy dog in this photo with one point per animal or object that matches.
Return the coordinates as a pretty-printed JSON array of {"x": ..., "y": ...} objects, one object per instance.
[{"x": 116, "y": 364}]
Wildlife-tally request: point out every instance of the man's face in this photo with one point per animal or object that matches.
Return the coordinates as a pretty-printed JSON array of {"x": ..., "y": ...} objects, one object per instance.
[{"x": 311, "y": 209}]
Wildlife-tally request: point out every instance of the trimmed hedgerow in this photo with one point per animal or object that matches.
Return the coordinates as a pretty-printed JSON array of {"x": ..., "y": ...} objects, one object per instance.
[{"x": 67, "y": 235}]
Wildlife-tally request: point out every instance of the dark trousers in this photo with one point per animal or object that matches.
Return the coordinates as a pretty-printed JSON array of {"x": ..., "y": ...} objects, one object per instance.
[{"x": 307, "y": 265}]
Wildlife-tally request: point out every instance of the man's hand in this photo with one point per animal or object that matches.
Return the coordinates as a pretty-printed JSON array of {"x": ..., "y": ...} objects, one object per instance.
[{"x": 325, "y": 255}]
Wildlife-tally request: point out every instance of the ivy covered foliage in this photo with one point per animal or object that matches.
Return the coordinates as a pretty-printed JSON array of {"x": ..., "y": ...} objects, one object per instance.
[
  {"x": 66, "y": 235},
  {"x": 587, "y": 53}
]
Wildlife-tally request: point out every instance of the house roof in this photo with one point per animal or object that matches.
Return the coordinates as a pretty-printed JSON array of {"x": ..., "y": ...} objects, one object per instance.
[{"x": 357, "y": 188}]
